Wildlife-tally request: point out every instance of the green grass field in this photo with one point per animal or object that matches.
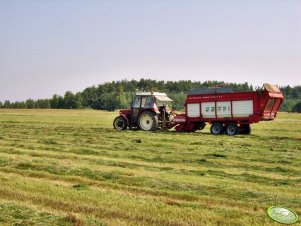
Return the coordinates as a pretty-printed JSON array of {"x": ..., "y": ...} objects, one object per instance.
[{"x": 70, "y": 167}]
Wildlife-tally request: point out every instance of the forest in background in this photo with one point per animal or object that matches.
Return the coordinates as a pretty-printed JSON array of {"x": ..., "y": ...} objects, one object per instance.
[{"x": 119, "y": 94}]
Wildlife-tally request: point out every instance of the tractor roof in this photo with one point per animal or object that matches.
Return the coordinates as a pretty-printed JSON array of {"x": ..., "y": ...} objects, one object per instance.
[
  {"x": 150, "y": 94},
  {"x": 157, "y": 95}
]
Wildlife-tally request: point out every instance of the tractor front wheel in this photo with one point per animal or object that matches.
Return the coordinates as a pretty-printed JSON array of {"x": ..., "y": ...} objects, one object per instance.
[
  {"x": 119, "y": 123},
  {"x": 148, "y": 121}
]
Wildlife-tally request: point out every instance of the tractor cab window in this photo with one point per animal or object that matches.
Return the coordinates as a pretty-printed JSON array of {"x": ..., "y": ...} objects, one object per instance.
[
  {"x": 147, "y": 102},
  {"x": 136, "y": 102}
]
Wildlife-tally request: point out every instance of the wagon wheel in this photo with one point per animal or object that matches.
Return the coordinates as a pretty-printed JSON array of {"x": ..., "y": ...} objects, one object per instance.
[
  {"x": 217, "y": 128},
  {"x": 119, "y": 123},
  {"x": 148, "y": 121},
  {"x": 232, "y": 129}
]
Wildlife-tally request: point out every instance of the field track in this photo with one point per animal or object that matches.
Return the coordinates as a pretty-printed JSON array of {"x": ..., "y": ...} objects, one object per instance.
[{"x": 70, "y": 167}]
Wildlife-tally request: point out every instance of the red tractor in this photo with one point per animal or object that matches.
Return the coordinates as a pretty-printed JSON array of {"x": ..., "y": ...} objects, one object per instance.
[{"x": 149, "y": 111}]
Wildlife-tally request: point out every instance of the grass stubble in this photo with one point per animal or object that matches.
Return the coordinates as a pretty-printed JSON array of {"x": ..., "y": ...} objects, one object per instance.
[{"x": 70, "y": 167}]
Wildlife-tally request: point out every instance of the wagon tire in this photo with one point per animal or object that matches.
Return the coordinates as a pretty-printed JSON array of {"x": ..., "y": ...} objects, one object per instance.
[
  {"x": 216, "y": 128},
  {"x": 148, "y": 121},
  {"x": 232, "y": 129},
  {"x": 120, "y": 123}
]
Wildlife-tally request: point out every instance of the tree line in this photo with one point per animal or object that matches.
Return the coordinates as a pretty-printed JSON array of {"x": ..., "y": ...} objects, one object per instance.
[{"x": 119, "y": 94}]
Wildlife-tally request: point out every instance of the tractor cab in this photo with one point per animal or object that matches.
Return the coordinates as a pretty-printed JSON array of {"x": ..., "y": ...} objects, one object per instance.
[
  {"x": 148, "y": 111},
  {"x": 150, "y": 100}
]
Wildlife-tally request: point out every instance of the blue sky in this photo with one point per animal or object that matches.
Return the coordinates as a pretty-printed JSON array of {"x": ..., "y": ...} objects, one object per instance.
[{"x": 50, "y": 46}]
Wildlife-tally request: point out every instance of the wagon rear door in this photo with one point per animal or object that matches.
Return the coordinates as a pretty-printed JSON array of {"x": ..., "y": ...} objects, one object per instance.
[{"x": 275, "y": 98}]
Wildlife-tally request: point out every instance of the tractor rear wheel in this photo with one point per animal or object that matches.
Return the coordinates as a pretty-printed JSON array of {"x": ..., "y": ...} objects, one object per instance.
[
  {"x": 148, "y": 121},
  {"x": 217, "y": 128},
  {"x": 120, "y": 123},
  {"x": 232, "y": 129}
]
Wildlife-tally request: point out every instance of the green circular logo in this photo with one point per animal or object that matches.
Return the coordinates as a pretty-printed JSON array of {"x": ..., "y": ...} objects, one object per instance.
[{"x": 282, "y": 215}]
